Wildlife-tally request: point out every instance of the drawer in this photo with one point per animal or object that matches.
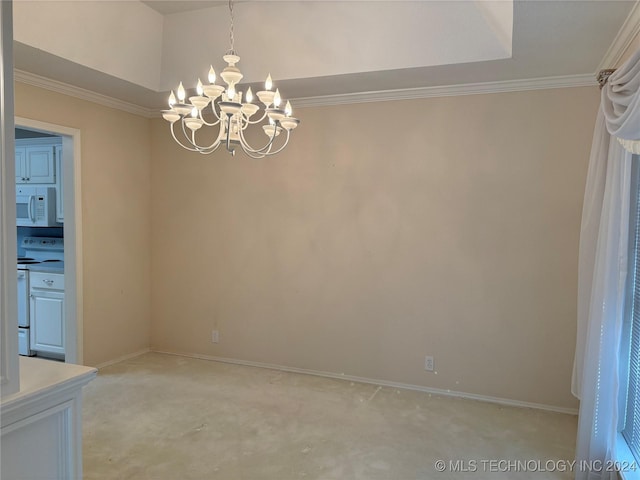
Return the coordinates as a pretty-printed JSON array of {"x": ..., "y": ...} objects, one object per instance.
[{"x": 47, "y": 281}]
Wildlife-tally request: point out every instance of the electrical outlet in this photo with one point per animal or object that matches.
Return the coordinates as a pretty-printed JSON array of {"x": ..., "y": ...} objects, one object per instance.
[
  {"x": 215, "y": 336},
  {"x": 428, "y": 363}
]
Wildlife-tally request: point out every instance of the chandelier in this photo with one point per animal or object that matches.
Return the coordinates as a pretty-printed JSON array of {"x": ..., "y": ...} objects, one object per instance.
[{"x": 223, "y": 108}]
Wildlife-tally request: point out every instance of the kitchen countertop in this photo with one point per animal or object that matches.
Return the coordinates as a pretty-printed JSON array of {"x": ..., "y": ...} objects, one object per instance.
[
  {"x": 40, "y": 378},
  {"x": 49, "y": 267}
]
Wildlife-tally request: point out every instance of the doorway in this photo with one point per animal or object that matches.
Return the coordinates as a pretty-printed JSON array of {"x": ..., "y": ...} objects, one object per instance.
[{"x": 69, "y": 169}]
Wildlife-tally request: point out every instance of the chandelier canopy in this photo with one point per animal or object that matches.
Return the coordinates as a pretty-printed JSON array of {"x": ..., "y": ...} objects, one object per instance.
[{"x": 223, "y": 107}]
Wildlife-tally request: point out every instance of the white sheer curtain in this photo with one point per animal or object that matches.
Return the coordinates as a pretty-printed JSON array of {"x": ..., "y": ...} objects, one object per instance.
[{"x": 603, "y": 267}]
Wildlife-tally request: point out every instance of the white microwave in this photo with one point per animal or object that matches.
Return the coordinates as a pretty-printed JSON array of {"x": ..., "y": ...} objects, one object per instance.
[{"x": 36, "y": 207}]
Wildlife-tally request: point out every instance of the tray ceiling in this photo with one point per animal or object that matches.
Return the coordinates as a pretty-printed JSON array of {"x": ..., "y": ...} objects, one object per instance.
[{"x": 137, "y": 51}]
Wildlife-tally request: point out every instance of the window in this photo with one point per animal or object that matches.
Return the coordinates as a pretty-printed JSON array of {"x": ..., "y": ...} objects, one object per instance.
[{"x": 630, "y": 354}]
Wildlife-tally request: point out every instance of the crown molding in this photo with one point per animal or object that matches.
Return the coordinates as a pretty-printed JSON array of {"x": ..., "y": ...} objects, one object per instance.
[
  {"x": 629, "y": 30},
  {"x": 81, "y": 93},
  {"x": 583, "y": 80},
  {"x": 565, "y": 81}
]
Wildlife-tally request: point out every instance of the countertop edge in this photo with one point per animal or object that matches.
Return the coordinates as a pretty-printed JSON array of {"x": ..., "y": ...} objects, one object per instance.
[{"x": 41, "y": 379}]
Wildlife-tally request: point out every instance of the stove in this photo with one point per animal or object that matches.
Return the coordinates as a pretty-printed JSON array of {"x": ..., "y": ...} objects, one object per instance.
[
  {"x": 27, "y": 261},
  {"x": 31, "y": 261},
  {"x": 41, "y": 249}
]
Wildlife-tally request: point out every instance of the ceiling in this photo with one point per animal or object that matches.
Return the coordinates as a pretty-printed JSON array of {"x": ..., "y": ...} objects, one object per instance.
[
  {"x": 137, "y": 51},
  {"x": 171, "y": 6}
]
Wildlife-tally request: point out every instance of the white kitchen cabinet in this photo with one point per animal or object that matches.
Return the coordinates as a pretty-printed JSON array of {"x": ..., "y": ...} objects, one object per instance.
[
  {"x": 35, "y": 164},
  {"x": 59, "y": 185},
  {"x": 21, "y": 164},
  {"x": 46, "y": 312}
]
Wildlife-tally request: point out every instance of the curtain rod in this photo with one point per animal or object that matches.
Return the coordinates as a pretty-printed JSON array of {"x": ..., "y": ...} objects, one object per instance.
[{"x": 603, "y": 76}]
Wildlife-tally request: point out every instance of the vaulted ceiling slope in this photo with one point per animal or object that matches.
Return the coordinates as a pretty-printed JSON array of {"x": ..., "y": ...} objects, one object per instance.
[{"x": 137, "y": 51}]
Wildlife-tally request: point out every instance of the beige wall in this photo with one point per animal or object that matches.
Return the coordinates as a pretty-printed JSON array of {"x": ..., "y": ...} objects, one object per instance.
[
  {"x": 116, "y": 225},
  {"x": 450, "y": 228},
  {"x": 385, "y": 232}
]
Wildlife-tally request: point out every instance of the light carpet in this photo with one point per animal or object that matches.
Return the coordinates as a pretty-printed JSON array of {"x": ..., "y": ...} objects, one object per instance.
[{"x": 166, "y": 417}]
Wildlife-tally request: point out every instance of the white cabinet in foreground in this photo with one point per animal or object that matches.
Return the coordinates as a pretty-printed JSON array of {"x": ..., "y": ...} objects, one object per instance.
[
  {"x": 42, "y": 423},
  {"x": 47, "y": 312}
]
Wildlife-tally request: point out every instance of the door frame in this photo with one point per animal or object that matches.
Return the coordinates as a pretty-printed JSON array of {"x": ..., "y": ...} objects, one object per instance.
[
  {"x": 73, "y": 265},
  {"x": 9, "y": 365}
]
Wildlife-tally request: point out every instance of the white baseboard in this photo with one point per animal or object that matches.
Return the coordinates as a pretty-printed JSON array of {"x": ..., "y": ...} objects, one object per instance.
[
  {"x": 383, "y": 383},
  {"x": 128, "y": 356}
]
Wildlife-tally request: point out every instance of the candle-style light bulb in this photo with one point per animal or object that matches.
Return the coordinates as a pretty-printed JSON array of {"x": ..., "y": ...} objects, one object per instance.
[
  {"x": 172, "y": 99},
  {"x": 199, "y": 88},
  {"x": 249, "y": 95},
  {"x": 194, "y": 112},
  {"x": 212, "y": 75},
  {"x": 231, "y": 93},
  {"x": 288, "y": 110},
  {"x": 277, "y": 99},
  {"x": 269, "y": 83},
  {"x": 181, "y": 93}
]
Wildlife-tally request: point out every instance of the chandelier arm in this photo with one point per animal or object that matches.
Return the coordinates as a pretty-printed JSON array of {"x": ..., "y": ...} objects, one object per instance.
[
  {"x": 210, "y": 149},
  {"x": 255, "y": 154},
  {"x": 186, "y": 147},
  {"x": 215, "y": 145},
  {"x": 186, "y": 135},
  {"x": 245, "y": 122},
  {"x": 268, "y": 152},
  {"x": 251, "y": 155},
  {"x": 192, "y": 146},
  {"x": 264, "y": 150},
  {"x": 204, "y": 122},
  {"x": 213, "y": 108},
  {"x": 249, "y": 122},
  {"x": 246, "y": 147},
  {"x": 213, "y": 124},
  {"x": 286, "y": 141}
]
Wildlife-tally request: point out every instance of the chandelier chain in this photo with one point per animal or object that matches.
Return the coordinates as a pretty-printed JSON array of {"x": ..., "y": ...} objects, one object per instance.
[{"x": 231, "y": 26}]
